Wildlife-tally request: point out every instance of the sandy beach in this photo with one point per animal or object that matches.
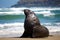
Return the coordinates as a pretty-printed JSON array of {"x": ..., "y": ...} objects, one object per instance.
[{"x": 55, "y": 37}]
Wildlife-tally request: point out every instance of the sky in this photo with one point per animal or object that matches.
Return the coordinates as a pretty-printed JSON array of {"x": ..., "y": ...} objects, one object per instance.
[{"x": 7, "y": 3}]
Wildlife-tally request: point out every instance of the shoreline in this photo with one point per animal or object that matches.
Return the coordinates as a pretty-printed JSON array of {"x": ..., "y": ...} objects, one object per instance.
[{"x": 55, "y": 37}]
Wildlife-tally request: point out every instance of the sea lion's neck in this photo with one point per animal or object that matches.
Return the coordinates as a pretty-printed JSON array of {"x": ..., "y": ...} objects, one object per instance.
[{"x": 33, "y": 16}]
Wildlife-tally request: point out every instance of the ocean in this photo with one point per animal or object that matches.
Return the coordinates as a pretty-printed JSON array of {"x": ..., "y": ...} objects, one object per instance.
[{"x": 12, "y": 20}]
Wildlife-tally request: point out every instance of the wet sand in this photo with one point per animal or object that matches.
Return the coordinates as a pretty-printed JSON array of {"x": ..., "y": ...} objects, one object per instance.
[{"x": 55, "y": 37}]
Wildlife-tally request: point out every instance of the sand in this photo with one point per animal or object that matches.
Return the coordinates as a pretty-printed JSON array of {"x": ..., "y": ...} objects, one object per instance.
[{"x": 46, "y": 38}]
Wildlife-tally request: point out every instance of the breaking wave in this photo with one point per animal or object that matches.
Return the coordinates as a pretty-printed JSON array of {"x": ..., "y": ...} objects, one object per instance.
[{"x": 12, "y": 20}]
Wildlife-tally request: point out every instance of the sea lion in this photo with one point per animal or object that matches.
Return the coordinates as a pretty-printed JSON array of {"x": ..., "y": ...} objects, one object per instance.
[{"x": 32, "y": 26}]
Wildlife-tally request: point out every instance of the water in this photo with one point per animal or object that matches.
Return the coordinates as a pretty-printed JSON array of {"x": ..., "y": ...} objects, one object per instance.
[{"x": 12, "y": 20}]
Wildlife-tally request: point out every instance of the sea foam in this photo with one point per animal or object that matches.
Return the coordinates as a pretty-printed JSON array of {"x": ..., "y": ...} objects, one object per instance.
[
  {"x": 17, "y": 29},
  {"x": 18, "y": 11}
]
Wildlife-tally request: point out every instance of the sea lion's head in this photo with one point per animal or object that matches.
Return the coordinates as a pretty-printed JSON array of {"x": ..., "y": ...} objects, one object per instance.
[{"x": 27, "y": 11}]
